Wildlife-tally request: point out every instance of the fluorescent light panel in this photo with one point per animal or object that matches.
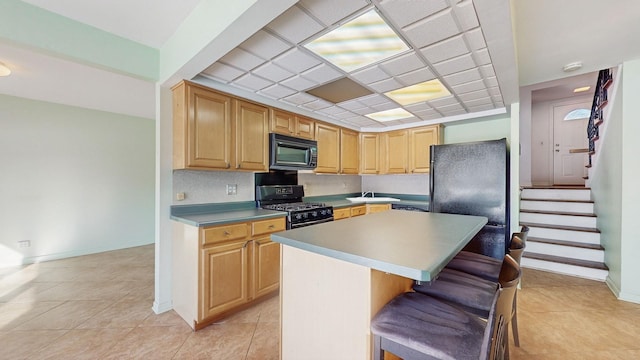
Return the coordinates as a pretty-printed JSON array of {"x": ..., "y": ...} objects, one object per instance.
[
  {"x": 581, "y": 89},
  {"x": 428, "y": 90},
  {"x": 390, "y": 115},
  {"x": 362, "y": 41}
]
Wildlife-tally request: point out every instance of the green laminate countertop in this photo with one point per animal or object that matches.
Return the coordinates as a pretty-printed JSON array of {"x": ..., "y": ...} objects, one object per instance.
[
  {"x": 415, "y": 245},
  {"x": 222, "y": 213}
]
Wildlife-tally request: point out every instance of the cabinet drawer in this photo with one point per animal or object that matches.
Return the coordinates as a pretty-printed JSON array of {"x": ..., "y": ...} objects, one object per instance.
[
  {"x": 358, "y": 210},
  {"x": 267, "y": 226},
  {"x": 223, "y": 233},
  {"x": 341, "y": 213},
  {"x": 375, "y": 208}
]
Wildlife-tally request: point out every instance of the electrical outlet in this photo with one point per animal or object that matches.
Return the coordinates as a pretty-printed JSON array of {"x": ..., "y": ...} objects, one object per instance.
[
  {"x": 232, "y": 189},
  {"x": 24, "y": 243},
  {"x": 180, "y": 196}
]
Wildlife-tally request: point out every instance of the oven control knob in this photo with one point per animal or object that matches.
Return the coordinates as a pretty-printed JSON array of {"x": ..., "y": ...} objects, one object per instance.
[
  {"x": 305, "y": 215},
  {"x": 314, "y": 213},
  {"x": 323, "y": 212},
  {"x": 298, "y": 216}
]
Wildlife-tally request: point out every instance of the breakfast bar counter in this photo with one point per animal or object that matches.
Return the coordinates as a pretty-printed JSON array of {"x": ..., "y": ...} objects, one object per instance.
[{"x": 335, "y": 276}]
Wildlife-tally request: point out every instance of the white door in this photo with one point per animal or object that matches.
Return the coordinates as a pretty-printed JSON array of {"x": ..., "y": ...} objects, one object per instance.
[{"x": 570, "y": 144}]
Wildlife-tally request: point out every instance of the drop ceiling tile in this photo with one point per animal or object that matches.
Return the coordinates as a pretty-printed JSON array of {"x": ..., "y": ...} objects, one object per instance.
[
  {"x": 272, "y": 72},
  {"x": 277, "y": 91},
  {"x": 317, "y": 105},
  {"x": 487, "y": 70},
  {"x": 351, "y": 105},
  {"x": 364, "y": 111},
  {"x": 295, "y": 25},
  {"x": 242, "y": 59},
  {"x": 332, "y": 11},
  {"x": 265, "y": 45},
  {"x": 402, "y": 64},
  {"x": 386, "y": 85},
  {"x": 463, "y": 77},
  {"x": 494, "y": 91},
  {"x": 475, "y": 38},
  {"x": 298, "y": 83},
  {"x": 447, "y": 108},
  {"x": 478, "y": 102},
  {"x": 466, "y": 15},
  {"x": 300, "y": 98},
  {"x": 480, "y": 94},
  {"x": 374, "y": 99},
  {"x": 252, "y": 82},
  {"x": 449, "y": 100},
  {"x": 423, "y": 106},
  {"x": 385, "y": 106},
  {"x": 454, "y": 112},
  {"x": 416, "y": 77},
  {"x": 496, "y": 98},
  {"x": 222, "y": 71},
  {"x": 333, "y": 110},
  {"x": 492, "y": 81},
  {"x": 370, "y": 75},
  {"x": 432, "y": 29},
  {"x": 322, "y": 73},
  {"x": 296, "y": 61},
  {"x": 481, "y": 108},
  {"x": 469, "y": 87},
  {"x": 428, "y": 114},
  {"x": 482, "y": 57},
  {"x": 457, "y": 64},
  {"x": 446, "y": 49},
  {"x": 405, "y": 12}
]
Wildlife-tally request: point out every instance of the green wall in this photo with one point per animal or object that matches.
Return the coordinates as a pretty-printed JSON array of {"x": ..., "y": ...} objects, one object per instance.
[
  {"x": 488, "y": 128},
  {"x": 74, "y": 181}
]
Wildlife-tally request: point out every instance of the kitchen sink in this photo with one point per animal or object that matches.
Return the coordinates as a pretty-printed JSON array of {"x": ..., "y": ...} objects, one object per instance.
[{"x": 372, "y": 199}]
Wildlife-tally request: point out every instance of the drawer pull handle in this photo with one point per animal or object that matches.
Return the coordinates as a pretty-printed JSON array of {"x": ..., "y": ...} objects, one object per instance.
[
  {"x": 226, "y": 233},
  {"x": 271, "y": 226}
]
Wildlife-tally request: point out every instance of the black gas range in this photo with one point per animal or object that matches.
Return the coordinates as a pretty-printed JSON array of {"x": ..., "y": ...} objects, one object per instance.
[{"x": 289, "y": 198}]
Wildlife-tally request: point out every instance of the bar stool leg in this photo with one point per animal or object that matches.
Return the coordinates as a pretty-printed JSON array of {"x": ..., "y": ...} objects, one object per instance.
[{"x": 514, "y": 321}]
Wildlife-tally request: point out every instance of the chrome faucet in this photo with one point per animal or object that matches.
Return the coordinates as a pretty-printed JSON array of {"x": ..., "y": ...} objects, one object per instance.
[{"x": 364, "y": 193}]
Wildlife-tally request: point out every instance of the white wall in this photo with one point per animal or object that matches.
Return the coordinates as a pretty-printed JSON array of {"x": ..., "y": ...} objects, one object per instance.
[{"x": 74, "y": 181}]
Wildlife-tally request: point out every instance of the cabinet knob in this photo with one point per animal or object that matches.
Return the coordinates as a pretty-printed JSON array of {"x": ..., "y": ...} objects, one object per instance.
[
  {"x": 271, "y": 226},
  {"x": 228, "y": 165},
  {"x": 226, "y": 233}
]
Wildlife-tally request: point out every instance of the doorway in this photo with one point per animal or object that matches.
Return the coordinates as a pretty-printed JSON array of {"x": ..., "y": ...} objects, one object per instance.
[{"x": 570, "y": 144}]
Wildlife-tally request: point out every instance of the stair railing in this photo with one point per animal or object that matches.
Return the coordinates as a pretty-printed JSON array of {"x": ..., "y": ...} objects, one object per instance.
[{"x": 600, "y": 99}]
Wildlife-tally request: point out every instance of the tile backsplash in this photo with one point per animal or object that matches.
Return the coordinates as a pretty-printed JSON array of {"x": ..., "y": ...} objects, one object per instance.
[{"x": 203, "y": 187}]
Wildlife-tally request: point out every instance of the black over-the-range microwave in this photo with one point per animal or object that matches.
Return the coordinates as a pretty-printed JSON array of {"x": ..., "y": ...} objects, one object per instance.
[{"x": 291, "y": 153}]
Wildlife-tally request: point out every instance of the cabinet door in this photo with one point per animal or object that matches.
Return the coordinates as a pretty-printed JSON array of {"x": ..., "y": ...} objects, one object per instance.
[
  {"x": 419, "y": 141},
  {"x": 358, "y": 210},
  {"x": 208, "y": 129},
  {"x": 266, "y": 266},
  {"x": 328, "y": 138},
  {"x": 397, "y": 146},
  {"x": 252, "y": 136},
  {"x": 348, "y": 151},
  {"x": 283, "y": 122},
  {"x": 370, "y": 154},
  {"x": 376, "y": 208},
  {"x": 223, "y": 278},
  {"x": 305, "y": 128}
]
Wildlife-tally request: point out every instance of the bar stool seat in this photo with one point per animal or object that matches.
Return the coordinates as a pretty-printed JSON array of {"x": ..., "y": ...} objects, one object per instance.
[{"x": 419, "y": 326}]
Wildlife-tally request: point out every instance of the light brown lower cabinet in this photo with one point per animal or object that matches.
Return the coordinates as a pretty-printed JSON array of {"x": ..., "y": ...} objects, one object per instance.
[
  {"x": 351, "y": 211},
  {"x": 376, "y": 208},
  {"x": 342, "y": 213},
  {"x": 219, "y": 270}
]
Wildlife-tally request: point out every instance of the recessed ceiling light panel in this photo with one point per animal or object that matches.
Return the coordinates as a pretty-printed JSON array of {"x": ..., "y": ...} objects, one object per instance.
[
  {"x": 4, "y": 70},
  {"x": 390, "y": 115},
  {"x": 362, "y": 41},
  {"x": 581, "y": 89},
  {"x": 425, "y": 91}
]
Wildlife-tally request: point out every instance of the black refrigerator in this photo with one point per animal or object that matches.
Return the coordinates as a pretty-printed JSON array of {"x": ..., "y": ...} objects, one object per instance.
[{"x": 473, "y": 179}]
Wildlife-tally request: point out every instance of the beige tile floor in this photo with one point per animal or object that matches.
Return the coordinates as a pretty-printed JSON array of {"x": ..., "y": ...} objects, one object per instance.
[{"x": 99, "y": 307}]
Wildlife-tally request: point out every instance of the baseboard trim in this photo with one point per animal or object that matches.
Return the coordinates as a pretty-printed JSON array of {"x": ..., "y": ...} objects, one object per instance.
[
  {"x": 74, "y": 253},
  {"x": 160, "y": 308}
]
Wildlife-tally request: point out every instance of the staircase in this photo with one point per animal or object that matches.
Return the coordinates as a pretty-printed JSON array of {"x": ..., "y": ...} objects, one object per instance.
[{"x": 563, "y": 237}]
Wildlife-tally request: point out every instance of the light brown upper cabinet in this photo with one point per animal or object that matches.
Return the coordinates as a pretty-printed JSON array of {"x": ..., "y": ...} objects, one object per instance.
[
  {"x": 287, "y": 123},
  {"x": 419, "y": 141},
  {"x": 348, "y": 151},
  {"x": 201, "y": 128},
  {"x": 396, "y": 152},
  {"x": 252, "y": 136},
  {"x": 328, "y": 138},
  {"x": 212, "y": 130},
  {"x": 370, "y": 150}
]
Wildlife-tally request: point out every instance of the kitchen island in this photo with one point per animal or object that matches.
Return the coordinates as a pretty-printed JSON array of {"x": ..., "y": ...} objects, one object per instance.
[{"x": 335, "y": 276}]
